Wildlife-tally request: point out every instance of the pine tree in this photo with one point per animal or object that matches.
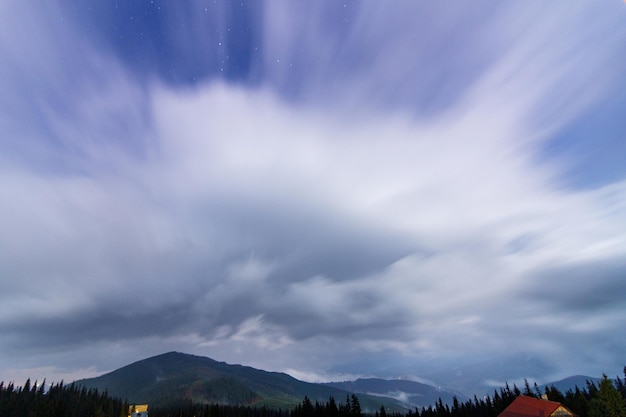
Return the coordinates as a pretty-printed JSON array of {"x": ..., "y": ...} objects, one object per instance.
[
  {"x": 355, "y": 407},
  {"x": 579, "y": 403},
  {"x": 607, "y": 402},
  {"x": 527, "y": 391}
]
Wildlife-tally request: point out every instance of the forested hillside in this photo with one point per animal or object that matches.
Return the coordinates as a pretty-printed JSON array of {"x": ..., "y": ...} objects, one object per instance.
[
  {"x": 412, "y": 393},
  {"x": 174, "y": 378},
  {"x": 607, "y": 398}
]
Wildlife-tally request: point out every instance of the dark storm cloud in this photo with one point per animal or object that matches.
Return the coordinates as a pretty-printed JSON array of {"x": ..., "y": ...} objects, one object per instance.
[
  {"x": 583, "y": 287},
  {"x": 124, "y": 293}
]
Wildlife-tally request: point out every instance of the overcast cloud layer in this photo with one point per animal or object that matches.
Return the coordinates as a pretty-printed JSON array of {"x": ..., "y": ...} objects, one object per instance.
[{"x": 312, "y": 187}]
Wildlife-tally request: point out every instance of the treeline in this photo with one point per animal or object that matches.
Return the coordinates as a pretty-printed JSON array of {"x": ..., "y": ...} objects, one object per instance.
[
  {"x": 58, "y": 400},
  {"x": 605, "y": 399},
  {"x": 608, "y": 398},
  {"x": 189, "y": 409},
  {"x": 351, "y": 408}
]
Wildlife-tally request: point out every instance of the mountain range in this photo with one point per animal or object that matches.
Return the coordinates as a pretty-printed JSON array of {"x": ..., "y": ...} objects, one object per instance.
[
  {"x": 570, "y": 383},
  {"x": 406, "y": 391},
  {"x": 176, "y": 378}
]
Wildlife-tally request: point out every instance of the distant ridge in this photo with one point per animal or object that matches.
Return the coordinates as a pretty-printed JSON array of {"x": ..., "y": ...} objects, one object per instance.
[
  {"x": 415, "y": 394},
  {"x": 570, "y": 382},
  {"x": 175, "y": 378}
]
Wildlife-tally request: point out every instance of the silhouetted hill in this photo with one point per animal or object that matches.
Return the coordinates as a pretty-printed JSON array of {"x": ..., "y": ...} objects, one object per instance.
[
  {"x": 413, "y": 393},
  {"x": 483, "y": 377},
  {"x": 571, "y": 382},
  {"x": 175, "y": 377}
]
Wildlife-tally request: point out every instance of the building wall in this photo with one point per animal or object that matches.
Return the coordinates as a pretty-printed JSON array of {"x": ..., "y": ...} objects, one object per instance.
[
  {"x": 140, "y": 410},
  {"x": 561, "y": 412}
]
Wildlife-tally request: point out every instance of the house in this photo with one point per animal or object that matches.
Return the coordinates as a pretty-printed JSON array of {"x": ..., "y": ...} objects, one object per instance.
[
  {"x": 524, "y": 406},
  {"x": 139, "y": 410}
]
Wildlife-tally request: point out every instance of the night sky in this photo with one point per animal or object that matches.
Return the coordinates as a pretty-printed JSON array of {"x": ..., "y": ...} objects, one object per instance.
[{"x": 329, "y": 189}]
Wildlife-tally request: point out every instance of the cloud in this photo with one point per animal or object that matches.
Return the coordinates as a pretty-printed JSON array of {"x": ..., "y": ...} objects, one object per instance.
[
  {"x": 39, "y": 375},
  {"x": 284, "y": 226}
]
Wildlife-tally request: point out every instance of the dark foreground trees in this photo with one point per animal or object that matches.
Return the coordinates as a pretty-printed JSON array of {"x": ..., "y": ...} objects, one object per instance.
[
  {"x": 606, "y": 399},
  {"x": 57, "y": 401}
]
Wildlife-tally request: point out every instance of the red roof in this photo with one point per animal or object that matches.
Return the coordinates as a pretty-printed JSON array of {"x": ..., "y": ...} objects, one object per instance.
[{"x": 524, "y": 406}]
